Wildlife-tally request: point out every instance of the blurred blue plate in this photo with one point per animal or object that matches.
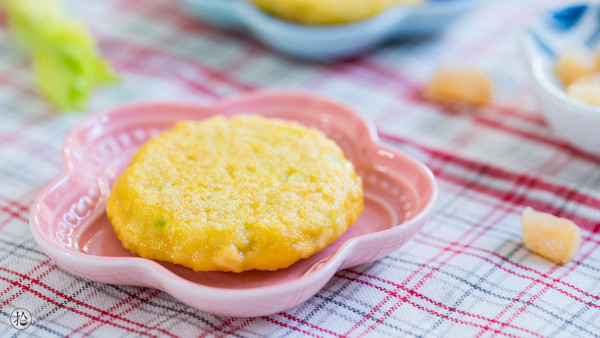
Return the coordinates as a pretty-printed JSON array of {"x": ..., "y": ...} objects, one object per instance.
[{"x": 335, "y": 41}]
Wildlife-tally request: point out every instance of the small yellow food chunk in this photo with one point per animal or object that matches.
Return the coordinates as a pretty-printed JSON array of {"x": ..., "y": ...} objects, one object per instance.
[
  {"x": 555, "y": 238},
  {"x": 465, "y": 86},
  {"x": 326, "y": 12},
  {"x": 574, "y": 64},
  {"x": 586, "y": 89}
]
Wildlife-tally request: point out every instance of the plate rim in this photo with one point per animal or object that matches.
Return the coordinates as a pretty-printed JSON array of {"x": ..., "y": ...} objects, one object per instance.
[{"x": 163, "y": 276}]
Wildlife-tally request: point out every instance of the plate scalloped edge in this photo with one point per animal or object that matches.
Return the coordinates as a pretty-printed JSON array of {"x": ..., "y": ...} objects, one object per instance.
[{"x": 88, "y": 194}]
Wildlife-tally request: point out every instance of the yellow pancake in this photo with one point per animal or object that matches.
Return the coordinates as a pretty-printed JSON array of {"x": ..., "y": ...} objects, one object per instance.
[
  {"x": 326, "y": 12},
  {"x": 235, "y": 195}
]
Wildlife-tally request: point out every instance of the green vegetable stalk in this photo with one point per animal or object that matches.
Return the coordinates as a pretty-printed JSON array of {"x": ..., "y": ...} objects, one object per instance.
[{"x": 66, "y": 62}]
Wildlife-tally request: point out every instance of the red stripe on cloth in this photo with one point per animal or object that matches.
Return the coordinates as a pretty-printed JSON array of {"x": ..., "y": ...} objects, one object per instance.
[
  {"x": 520, "y": 266},
  {"x": 556, "y": 163},
  {"x": 32, "y": 271},
  {"x": 386, "y": 315},
  {"x": 9, "y": 78},
  {"x": 413, "y": 88},
  {"x": 501, "y": 125},
  {"x": 245, "y": 58},
  {"x": 78, "y": 302},
  {"x": 119, "y": 304},
  {"x": 371, "y": 314},
  {"x": 38, "y": 149},
  {"x": 583, "y": 222},
  {"x": 549, "y": 141},
  {"x": 218, "y": 328},
  {"x": 165, "y": 11},
  {"x": 236, "y": 329},
  {"x": 505, "y": 196},
  {"x": 387, "y": 298},
  {"x": 303, "y": 322},
  {"x": 15, "y": 203},
  {"x": 440, "y": 304},
  {"x": 548, "y": 286},
  {"x": 150, "y": 52},
  {"x": 510, "y": 305},
  {"x": 134, "y": 306},
  {"x": 62, "y": 306},
  {"x": 514, "y": 273},
  {"x": 196, "y": 86},
  {"x": 431, "y": 272},
  {"x": 131, "y": 63},
  {"x": 274, "y": 321},
  {"x": 187, "y": 25},
  {"x": 21, "y": 213},
  {"x": 404, "y": 283},
  {"x": 422, "y": 308},
  {"x": 282, "y": 314},
  {"x": 533, "y": 117},
  {"x": 508, "y": 176},
  {"x": 12, "y": 213},
  {"x": 413, "y": 92}
]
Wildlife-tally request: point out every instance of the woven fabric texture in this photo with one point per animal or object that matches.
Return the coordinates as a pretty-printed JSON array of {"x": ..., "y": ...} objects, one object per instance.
[{"x": 467, "y": 273}]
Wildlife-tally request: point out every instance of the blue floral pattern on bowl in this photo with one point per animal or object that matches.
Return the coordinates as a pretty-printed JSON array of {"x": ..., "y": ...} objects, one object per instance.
[
  {"x": 549, "y": 35},
  {"x": 557, "y": 31}
]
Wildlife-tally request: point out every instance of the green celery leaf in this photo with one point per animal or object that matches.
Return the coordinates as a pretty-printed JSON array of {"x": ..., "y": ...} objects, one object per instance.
[{"x": 66, "y": 62}]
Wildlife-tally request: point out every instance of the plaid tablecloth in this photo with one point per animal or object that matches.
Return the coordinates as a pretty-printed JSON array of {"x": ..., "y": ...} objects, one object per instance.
[{"x": 466, "y": 274}]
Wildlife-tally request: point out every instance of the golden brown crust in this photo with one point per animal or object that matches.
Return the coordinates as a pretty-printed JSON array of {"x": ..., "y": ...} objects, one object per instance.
[{"x": 234, "y": 195}]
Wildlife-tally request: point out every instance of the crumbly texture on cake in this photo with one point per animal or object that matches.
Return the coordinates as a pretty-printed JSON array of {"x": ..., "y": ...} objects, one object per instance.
[{"x": 235, "y": 195}]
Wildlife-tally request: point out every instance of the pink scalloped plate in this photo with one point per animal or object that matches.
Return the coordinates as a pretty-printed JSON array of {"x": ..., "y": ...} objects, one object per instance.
[{"x": 69, "y": 223}]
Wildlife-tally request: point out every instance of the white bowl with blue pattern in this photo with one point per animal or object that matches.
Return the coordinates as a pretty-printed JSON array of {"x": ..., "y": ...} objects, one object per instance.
[
  {"x": 329, "y": 42},
  {"x": 548, "y": 36}
]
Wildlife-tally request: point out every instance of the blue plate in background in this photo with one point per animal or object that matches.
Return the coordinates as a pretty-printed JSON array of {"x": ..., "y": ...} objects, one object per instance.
[{"x": 329, "y": 42}]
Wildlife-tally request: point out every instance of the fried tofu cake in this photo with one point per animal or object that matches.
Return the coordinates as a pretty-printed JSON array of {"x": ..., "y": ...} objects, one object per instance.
[{"x": 234, "y": 195}]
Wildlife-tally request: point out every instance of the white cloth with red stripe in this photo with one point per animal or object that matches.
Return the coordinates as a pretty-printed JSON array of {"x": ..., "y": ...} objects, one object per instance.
[{"x": 466, "y": 274}]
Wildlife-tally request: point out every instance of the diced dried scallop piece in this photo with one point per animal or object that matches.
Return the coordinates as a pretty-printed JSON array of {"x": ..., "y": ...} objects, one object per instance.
[
  {"x": 592, "y": 78},
  {"x": 575, "y": 63},
  {"x": 586, "y": 92},
  {"x": 557, "y": 239},
  {"x": 586, "y": 89},
  {"x": 464, "y": 86}
]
